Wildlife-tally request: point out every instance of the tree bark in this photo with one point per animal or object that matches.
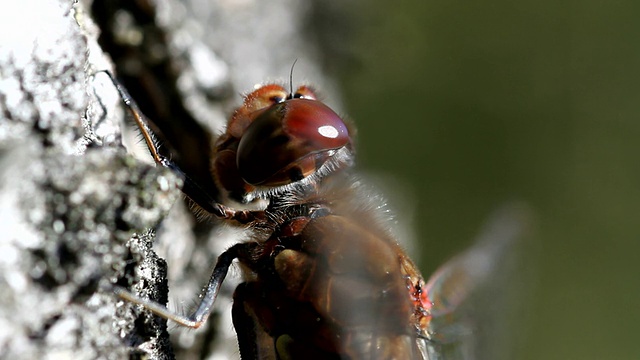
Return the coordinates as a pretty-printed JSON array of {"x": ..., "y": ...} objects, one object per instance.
[{"x": 78, "y": 209}]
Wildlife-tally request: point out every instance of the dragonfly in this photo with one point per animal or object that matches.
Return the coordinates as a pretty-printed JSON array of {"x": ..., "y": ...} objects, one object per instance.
[{"x": 324, "y": 276}]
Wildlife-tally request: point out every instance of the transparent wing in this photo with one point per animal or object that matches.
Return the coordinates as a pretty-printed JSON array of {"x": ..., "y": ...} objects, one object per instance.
[{"x": 471, "y": 293}]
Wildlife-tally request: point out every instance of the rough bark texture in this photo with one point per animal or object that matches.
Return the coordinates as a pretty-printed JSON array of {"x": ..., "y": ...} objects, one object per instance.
[{"x": 77, "y": 208}]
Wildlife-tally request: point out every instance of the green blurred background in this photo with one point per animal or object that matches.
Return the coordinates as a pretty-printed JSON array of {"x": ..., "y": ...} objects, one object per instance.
[{"x": 473, "y": 103}]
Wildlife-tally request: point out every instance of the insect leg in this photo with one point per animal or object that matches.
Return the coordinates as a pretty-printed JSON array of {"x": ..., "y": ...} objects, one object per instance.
[
  {"x": 191, "y": 188},
  {"x": 253, "y": 340},
  {"x": 202, "y": 312}
]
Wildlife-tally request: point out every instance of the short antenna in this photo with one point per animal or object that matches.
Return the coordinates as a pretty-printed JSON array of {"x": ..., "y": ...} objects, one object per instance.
[{"x": 291, "y": 78}]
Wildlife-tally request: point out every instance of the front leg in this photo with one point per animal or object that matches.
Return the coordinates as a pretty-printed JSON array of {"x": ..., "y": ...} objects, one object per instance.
[{"x": 200, "y": 196}]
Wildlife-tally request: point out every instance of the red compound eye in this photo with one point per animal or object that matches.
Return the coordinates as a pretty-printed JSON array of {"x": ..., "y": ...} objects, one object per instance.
[{"x": 288, "y": 141}]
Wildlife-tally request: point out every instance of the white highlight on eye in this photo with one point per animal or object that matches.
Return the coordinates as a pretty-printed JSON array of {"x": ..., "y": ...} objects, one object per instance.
[{"x": 328, "y": 131}]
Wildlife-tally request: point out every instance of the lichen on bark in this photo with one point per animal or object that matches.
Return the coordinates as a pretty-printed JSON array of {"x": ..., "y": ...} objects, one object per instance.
[{"x": 77, "y": 209}]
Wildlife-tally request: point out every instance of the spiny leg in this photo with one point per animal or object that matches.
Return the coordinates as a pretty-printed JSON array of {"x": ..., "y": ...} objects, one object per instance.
[{"x": 191, "y": 189}]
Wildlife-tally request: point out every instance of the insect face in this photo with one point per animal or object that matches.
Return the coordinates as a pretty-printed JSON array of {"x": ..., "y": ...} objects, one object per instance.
[{"x": 276, "y": 140}]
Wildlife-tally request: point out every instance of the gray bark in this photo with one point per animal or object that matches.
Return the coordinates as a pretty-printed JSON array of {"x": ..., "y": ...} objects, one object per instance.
[{"x": 77, "y": 209}]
